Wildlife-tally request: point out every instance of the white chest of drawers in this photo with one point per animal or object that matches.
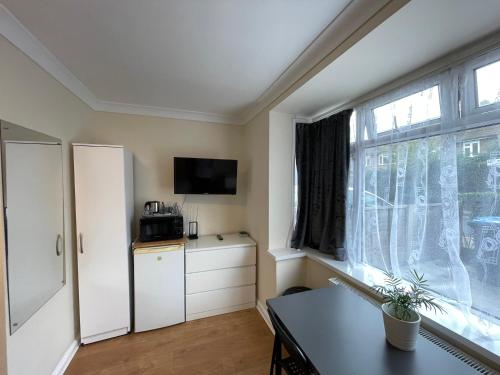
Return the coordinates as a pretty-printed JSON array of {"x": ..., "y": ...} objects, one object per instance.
[{"x": 220, "y": 275}]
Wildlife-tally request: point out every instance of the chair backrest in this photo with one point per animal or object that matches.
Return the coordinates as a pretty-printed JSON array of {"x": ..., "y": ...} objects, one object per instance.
[{"x": 290, "y": 345}]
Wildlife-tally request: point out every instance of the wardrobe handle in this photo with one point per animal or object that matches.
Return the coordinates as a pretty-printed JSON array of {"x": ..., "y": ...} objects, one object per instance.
[
  {"x": 58, "y": 240},
  {"x": 81, "y": 243}
]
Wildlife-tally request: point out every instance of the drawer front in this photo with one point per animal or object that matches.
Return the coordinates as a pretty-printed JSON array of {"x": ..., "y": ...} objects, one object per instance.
[
  {"x": 222, "y": 258},
  {"x": 218, "y": 279},
  {"x": 218, "y": 299}
]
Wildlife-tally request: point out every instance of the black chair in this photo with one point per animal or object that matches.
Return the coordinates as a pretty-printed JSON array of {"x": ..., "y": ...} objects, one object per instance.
[
  {"x": 295, "y": 289},
  {"x": 296, "y": 363}
]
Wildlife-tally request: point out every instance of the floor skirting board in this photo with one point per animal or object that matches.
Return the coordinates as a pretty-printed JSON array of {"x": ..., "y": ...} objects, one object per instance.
[
  {"x": 261, "y": 308},
  {"x": 66, "y": 358}
]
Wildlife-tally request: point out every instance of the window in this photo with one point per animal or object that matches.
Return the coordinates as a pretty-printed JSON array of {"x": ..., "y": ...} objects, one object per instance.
[
  {"x": 383, "y": 159},
  {"x": 410, "y": 110},
  {"x": 370, "y": 161},
  {"x": 488, "y": 84},
  {"x": 471, "y": 148},
  {"x": 429, "y": 199}
]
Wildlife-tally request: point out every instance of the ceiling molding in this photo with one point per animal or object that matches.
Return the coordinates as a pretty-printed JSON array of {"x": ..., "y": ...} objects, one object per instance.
[
  {"x": 302, "y": 119},
  {"x": 180, "y": 114},
  {"x": 328, "y": 111},
  {"x": 17, "y": 34},
  {"x": 351, "y": 18}
]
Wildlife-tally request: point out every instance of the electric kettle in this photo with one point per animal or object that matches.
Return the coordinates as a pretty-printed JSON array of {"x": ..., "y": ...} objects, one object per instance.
[{"x": 152, "y": 207}]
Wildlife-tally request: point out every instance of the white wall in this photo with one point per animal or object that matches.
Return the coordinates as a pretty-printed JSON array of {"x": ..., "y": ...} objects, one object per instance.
[
  {"x": 257, "y": 214},
  {"x": 269, "y": 143},
  {"x": 317, "y": 275},
  {"x": 289, "y": 273},
  {"x": 31, "y": 98},
  {"x": 280, "y": 178},
  {"x": 155, "y": 141}
]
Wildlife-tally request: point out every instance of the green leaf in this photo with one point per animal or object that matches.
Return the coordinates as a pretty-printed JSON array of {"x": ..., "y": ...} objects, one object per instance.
[{"x": 405, "y": 300}]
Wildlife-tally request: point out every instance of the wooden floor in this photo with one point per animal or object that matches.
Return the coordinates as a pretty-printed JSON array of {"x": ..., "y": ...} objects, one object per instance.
[{"x": 235, "y": 343}]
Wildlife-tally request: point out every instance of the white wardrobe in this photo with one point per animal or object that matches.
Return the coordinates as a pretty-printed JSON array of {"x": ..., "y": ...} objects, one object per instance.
[{"x": 104, "y": 214}]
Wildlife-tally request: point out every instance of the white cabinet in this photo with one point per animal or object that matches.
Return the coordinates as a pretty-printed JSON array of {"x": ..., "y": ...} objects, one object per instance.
[
  {"x": 104, "y": 205},
  {"x": 220, "y": 275},
  {"x": 158, "y": 286}
]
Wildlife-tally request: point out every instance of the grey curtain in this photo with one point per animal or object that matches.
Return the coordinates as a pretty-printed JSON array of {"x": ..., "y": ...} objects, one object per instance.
[{"x": 322, "y": 159}]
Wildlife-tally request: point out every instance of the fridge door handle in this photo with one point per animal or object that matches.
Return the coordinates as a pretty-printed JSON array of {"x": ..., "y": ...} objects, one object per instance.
[
  {"x": 58, "y": 241},
  {"x": 80, "y": 236}
]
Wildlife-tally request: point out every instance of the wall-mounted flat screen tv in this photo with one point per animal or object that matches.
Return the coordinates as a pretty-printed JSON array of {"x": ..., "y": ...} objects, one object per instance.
[{"x": 204, "y": 176}]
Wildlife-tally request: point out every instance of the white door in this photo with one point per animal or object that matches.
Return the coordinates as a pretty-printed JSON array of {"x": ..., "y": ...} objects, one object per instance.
[
  {"x": 103, "y": 274},
  {"x": 34, "y": 201},
  {"x": 159, "y": 288}
]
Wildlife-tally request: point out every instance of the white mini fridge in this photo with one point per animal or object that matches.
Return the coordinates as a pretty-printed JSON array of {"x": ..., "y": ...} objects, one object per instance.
[{"x": 159, "y": 299}]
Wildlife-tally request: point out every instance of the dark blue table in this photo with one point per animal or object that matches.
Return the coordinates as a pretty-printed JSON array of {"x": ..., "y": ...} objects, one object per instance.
[{"x": 341, "y": 333}]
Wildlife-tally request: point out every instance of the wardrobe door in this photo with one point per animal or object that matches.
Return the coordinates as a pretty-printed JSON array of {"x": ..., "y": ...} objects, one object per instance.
[
  {"x": 103, "y": 273},
  {"x": 34, "y": 226}
]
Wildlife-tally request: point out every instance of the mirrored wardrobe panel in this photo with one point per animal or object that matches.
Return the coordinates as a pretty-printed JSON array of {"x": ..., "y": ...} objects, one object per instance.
[{"x": 32, "y": 176}]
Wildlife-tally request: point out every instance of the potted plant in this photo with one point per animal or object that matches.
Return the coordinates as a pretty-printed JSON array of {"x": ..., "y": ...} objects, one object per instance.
[{"x": 401, "y": 320}]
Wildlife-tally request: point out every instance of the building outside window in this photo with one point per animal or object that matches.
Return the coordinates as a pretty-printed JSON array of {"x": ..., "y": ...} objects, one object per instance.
[
  {"x": 471, "y": 148},
  {"x": 370, "y": 161},
  {"x": 383, "y": 159}
]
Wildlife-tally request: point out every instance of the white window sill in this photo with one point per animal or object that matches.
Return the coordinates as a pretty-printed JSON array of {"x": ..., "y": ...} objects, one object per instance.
[
  {"x": 286, "y": 253},
  {"x": 466, "y": 331}
]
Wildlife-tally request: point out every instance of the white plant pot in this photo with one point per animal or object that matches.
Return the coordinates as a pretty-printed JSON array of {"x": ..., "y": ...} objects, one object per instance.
[{"x": 399, "y": 333}]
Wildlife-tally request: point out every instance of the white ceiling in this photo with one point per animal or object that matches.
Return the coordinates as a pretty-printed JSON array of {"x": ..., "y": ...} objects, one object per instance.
[
  {"x": 418, "y": 33},
  {"x": 210, "y": 56}
]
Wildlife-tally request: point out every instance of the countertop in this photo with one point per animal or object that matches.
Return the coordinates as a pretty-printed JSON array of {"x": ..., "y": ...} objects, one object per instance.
[{"x": 210, "y": 242}]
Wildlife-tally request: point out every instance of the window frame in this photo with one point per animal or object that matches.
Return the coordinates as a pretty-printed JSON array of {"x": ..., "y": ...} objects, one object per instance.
[
  {"x": 470, "y": 145},
  {"x": 410, "y": 127},
  {"x": 448, "y": 107},
  {"x": 476, "y": 86},
  {"x": 472, "y": 115},
  {"x": 381, "y": 159}
]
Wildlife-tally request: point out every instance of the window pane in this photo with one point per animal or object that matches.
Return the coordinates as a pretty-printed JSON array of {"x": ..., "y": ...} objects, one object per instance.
[
  {"x": 479, "y": 208},
  {"x": 488, "y": 84},
  {"x": 433, "y": 204},
  {"x": 413, "y": 109}
]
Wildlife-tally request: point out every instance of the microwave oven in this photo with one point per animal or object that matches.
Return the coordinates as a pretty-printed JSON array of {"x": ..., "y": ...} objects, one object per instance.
[{"x": 160, "y": 227}]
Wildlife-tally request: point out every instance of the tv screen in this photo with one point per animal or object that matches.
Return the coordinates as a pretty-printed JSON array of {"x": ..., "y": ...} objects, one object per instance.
[{"x": 204, "y": 176}]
